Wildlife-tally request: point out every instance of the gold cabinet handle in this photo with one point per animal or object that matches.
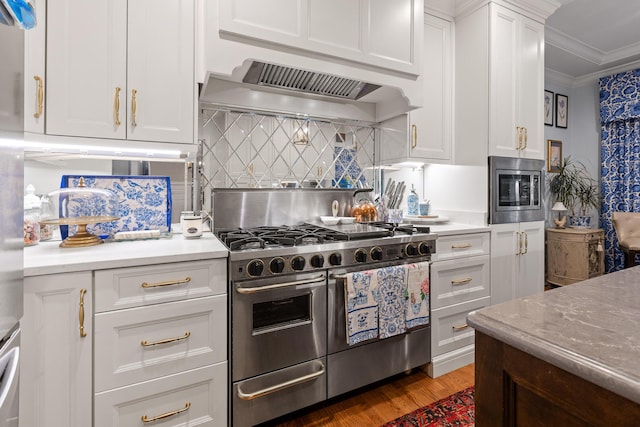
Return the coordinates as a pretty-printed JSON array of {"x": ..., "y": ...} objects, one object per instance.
[
  {"x": 167, "y": 283},
  {"x": 519, "y": 251},
  {"x": 166, "y": 415},
  {"x": 519, "y": 130},
  {"x": 457, "y": 328},
  {"x": 116, "y": 107},
  {"x": 40, "y": 97},
  {"x": 134, "y": 107},
  {"x": 461, "y": 281},
  {"x": 526, "y": 137},
  {"x": 414, "y": 131},
  {"x": 526, "y": 242},
  {"x": 146, "y": 343},
  {"x": 463, "y": 246},
  {"x": 83, "y": 333}
]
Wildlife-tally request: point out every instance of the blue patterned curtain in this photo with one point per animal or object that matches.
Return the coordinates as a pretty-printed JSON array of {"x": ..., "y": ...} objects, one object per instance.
[{"x": 620, "y": 153}]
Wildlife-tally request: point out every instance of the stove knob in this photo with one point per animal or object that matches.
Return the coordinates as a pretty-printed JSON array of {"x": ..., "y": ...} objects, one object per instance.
[
  {"x": 335, "y": 259},
  {"x": 424, "y": 248},
  {"x": 255, "y": 267},
  {"x": 317, "y": 261},
  {"x": 277, "y": 265},
  {"x": 376, "y": 254},
  {"x": 360, "y": 255},
  {"x": 411, "y": 250},
  {"x": 297, "y": 263}
]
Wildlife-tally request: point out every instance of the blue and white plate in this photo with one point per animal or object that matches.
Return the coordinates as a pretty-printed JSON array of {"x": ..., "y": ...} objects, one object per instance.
[{"x": 143, "y": 202}]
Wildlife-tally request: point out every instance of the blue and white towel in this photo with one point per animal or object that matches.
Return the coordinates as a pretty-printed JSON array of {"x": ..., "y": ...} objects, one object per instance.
[
  {"x": 392, "y": 287},
  {"x": 361, "y": 306},
  {"x": 417, "y": 307}
]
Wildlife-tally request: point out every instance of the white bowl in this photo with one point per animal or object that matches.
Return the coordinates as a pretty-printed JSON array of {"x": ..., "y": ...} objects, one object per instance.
[
  {"x": 347, "y": 219},
  {"x": 329, "y": 220}
]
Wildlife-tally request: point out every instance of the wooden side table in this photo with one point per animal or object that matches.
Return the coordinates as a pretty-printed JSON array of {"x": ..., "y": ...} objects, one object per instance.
[{"x": 574, "y": 254}]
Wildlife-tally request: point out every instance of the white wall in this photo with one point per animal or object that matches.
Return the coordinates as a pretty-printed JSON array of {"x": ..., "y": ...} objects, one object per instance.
[{"x": 581, "y": 138}]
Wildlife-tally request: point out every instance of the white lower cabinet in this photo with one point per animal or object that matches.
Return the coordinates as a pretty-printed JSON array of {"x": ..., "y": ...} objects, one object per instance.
[
  {"x": 153, "y": 352},
  {"x": 56, "y": 347},
  {"x": 460, "y": 283},
  {"x": 195, "y": 397}
]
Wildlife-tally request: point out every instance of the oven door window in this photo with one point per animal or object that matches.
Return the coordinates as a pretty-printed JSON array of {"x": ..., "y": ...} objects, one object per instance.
[
  {"x": 514, "y": 190},
  {"x": 280, "y": 314}
]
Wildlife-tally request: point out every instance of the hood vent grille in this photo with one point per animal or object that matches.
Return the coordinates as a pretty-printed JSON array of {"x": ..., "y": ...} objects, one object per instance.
[{"x": 294, "y": 79}]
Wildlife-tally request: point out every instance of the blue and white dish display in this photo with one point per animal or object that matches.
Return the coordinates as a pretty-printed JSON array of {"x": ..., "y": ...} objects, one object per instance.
[{"x": 143, "y": 202}]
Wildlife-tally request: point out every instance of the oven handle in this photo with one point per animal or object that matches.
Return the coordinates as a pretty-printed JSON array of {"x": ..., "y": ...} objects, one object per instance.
[
  {"x": 246, "y": 291},
  {"x": 277, "y": 387}
]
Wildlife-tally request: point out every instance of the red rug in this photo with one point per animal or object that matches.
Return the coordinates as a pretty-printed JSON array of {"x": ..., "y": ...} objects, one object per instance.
[{"x": 457, "y": 410}]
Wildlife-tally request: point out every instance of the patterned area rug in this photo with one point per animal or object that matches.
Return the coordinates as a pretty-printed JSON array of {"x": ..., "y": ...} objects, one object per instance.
[{"x": 457, "y": 410}]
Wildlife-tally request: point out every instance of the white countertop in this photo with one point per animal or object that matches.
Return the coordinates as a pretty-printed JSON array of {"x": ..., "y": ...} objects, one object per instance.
[
  {"x": 49, "y": 258},
  {"x": 453, "y": 228}
]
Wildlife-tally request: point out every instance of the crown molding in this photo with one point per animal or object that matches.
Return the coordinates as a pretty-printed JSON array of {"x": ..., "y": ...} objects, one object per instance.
[
  {"x": 569, "y": 44},
  {"x": 538, "y": 10}
]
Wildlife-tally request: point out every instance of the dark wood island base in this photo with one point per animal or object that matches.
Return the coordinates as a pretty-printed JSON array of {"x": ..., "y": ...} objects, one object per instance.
[{"x": 514, "y": 388}]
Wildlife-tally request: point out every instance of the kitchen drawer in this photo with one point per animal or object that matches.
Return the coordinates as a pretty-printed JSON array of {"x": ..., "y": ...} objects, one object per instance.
[
  {"x": 457, "y": 281},
  {"x": 462, "y": 245},
  {"x": 189, "y": 334},
  {"x": 201, "y": 395},
  {"x": 449, "y": 329},
  {"x": 152, "y": 284}
]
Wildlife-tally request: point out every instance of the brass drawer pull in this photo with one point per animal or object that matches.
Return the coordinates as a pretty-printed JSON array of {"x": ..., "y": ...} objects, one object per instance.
[
  {"x": 83, "y": 333},
  {"x": 145, "y": 343},
  {"x": 167, "y": 283},
  {"x": 40, "y": 96},
  {"x": 459, "y": 327},
  {"x": 463, "y": 246},
  {"x": 166, "y": 415},
  {"x": 461, "y": 281}
]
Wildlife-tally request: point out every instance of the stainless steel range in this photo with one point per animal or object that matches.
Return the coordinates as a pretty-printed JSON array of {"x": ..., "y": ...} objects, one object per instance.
[{"x": 287, "y": 333}]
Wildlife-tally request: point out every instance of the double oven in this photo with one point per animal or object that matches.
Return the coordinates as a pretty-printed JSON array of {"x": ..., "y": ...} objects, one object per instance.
[{"x": 287, "y": 330}]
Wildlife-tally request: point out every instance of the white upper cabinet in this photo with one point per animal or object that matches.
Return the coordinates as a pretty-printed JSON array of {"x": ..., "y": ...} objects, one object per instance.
[
  {"x": 381, "y": 33},
  {"x": 34, "y": 70},
  {"x": 516, "y": 83},
  {"x": 429, "y": 136},
  {"x": 499, "y": 81},
  {"x": 121, "y": 69}
]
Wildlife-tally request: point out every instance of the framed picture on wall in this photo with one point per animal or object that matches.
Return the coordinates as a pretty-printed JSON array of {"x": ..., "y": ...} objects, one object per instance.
[
  {"x": 562, "y": 110},
  {"x": 548, "y": 108},
  {"x": 554, "y": 156}
]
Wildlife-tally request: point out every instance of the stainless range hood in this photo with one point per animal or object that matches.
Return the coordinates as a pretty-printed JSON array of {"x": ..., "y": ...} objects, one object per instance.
[{"x": 302, "y": 81}]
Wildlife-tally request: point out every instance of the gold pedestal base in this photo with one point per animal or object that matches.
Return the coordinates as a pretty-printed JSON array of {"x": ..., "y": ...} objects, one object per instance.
[{"x": 81, "y": 238}]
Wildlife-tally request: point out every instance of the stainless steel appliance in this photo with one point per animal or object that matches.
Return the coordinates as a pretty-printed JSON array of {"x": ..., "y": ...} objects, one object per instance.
[
  {"x": 286, "y": 291},
  {"x": 516, "y": 190},
  {"x": 14, "y": 17}
]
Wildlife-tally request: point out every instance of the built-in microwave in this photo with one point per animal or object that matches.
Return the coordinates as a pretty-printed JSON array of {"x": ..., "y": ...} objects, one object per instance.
[{"x": 516, "y": 190}]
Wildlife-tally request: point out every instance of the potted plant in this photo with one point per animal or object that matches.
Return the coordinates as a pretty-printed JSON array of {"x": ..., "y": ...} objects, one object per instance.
[{"x": 577, "y": 190}]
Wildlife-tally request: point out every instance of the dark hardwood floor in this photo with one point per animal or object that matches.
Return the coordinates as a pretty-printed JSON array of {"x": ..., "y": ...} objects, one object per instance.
[{"x": 381, "y": 402}]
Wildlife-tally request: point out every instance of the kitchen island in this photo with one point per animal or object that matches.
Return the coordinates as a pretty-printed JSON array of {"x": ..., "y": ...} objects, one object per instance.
[{"x": 569, "y": 356}]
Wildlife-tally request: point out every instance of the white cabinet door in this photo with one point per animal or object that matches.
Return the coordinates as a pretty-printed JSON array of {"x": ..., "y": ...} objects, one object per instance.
[
  {"x": 531, "y": 280},
  {"x": 160, "y": 69},
  {"x": 517, "y": 260},
  {"x": 121, "y": 70},
  {"x": 430, "y": 127},
  {"x": 86, "y": 64},
  {"x": 375, "y": 32},
  {"x": 56, "y": 362},
  {"x": 34, "y": 71},
  {"x": 517, "y": 79}
]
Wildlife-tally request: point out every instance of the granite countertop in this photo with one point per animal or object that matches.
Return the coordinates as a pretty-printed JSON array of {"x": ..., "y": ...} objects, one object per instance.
[
  {"x": 49, "y": 258},
  {"x": 590, "y": 329}
]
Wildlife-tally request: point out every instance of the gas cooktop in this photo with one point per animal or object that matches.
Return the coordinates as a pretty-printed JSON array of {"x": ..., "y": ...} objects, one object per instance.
[{"x": 263, "y": 237}]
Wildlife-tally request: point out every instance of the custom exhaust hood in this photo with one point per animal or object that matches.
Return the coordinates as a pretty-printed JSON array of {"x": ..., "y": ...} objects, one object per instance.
[
  {"x": 264, "y": 86},
  {"x": 254, "y": 61},
  {"x": 288, "y": 78}
]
